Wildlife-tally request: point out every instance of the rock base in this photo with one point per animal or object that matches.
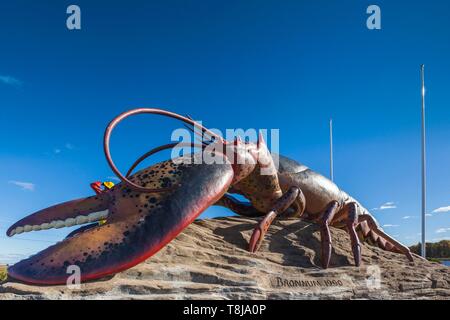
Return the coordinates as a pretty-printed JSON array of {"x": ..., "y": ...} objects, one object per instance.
[{"x": 209, "y": 260}]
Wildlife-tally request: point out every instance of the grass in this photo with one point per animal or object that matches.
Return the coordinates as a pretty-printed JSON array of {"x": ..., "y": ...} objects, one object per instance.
[{"x": 3, "y": 273}]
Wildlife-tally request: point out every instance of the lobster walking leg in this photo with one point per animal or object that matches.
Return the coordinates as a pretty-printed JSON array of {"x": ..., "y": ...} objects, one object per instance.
[
  {"x": 281, "y": 205},
  {"x": 325, "y": 236},
  {"x": 352, "y": 222},
  {"x": 239, "y": 207},
  {"x": 385, "y": 237}
]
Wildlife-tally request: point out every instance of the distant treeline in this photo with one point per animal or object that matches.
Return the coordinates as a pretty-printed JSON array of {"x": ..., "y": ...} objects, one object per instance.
[{"x": 434, "y": 250}]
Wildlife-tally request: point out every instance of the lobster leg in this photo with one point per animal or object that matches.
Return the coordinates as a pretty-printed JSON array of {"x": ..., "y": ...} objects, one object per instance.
[
  {"x": 351, "y": 222},
  {"x": 281, "y": 205},
  {"x": 325, "y": 236},
  {"x": 239, "y": 207},
  {"x": 385, "y": 238},
  {"x": 367, "y": 235}
]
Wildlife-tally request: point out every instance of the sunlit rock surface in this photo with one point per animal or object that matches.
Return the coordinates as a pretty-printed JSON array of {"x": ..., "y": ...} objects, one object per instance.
[{"x": 209, "y": 260}]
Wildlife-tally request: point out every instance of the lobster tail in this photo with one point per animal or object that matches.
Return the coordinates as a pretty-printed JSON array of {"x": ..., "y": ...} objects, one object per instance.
[{"x": 369, "y": 231}]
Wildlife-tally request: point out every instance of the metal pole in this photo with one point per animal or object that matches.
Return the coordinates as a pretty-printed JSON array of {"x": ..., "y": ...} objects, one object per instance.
[
  {"x": 331, "y": 150},
  {"x": 422, "y": 69}
]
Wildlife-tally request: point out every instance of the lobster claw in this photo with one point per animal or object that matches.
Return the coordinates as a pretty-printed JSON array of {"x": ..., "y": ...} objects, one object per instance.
[{"x": 138, "y": 224}]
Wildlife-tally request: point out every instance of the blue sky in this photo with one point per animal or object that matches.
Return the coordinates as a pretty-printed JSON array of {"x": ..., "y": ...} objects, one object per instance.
[{"x": 289, "y": 65}]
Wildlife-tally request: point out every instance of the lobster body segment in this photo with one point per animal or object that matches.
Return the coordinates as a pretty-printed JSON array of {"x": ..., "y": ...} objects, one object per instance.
[{"x": 322, "y": 202}]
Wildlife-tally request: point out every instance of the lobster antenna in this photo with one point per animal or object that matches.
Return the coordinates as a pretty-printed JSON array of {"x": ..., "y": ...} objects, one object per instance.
[
  {"x": 124, "y": 115},
  {"x": 199, "y": 137},
  {"x": 158, "y": 149},
  {"x": 203, "y": 135}
]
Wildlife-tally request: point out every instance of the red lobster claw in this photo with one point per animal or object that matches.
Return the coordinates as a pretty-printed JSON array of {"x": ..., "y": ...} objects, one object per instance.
[{"x": 138, "y": 224}]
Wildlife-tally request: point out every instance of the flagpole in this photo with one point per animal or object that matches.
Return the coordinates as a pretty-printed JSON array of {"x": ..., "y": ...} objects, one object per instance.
[
  {"x": 422, "y": 69},
  {"x": 331, "y": 150}
]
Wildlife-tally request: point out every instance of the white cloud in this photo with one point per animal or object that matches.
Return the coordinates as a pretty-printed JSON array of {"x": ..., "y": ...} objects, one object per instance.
[
  {"x": 113, "y": 178},
  {"x": 408, "y": 217},
  {"x": 442, "y": 230},
  {"x": 390, "y": 225},
  {"x": 10, "y": 81},
  {"x": 69, "y": 146},
  {"x": 428, "y": 215},
  {"x": 387, "y": 205},
  {"x": 440, "y": 239},
  {"x": 24, "y": 185},
  {"x": 441, "y": 209}
]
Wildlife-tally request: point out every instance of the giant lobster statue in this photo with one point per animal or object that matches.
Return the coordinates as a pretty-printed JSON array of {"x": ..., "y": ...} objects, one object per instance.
[{"x": 152, "y": 206}]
